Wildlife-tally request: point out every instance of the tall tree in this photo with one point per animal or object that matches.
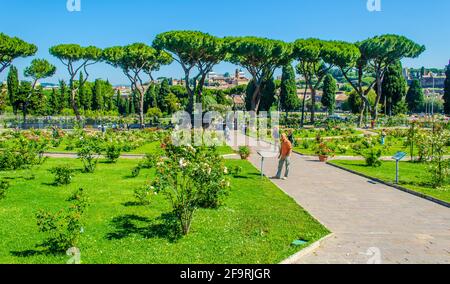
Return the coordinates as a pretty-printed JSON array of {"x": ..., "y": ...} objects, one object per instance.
[
  {"x": 289, "y": 100},
  {"x": 267, "y": 93},
  {"x": 383, "y": 51},
  {"x": 316, "y": 58},
  {"x": 136, "y": 61},
  {"x": 415, "y": 97},
  {"x": 329, "y": 93},
  {"x": 76, "y": 59},
  {"x": 55, "y": 102},
  {"x": 447, "y": 91},
  {"x": 39, "y": 69},
  {"x": 260, "y": 57},
  {"x": 82, "y": 94},
  {"x": 351, "y": 61},
  {"x": 64, "y": 95},
  {"x": 393, "y": 86},
  {"x": 97, "y": 96},
  {"x": 164, "y": 91},
  {"x": 13, "y": 87},
  {"x": 193, "y": 50},
  {"x": 12, "y": 48}
]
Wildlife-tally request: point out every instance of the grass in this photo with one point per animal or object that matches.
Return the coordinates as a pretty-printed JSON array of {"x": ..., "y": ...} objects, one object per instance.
[
  {"x": 414, "y": 176},
  {"x": 256, "y": 225}
]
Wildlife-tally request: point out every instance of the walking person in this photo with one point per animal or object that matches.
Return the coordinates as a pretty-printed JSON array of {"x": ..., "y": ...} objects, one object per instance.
[
  {"x": 284, "y": 157},
  {"x": 276, "y": 137},
  {"x": 291, "y": 137}
]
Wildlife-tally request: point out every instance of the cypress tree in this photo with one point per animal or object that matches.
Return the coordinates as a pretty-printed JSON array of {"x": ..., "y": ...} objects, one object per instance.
[
  {"x": 393, "y": 87},
  {"x": 13, "y": 87},
  {"x": 288, "y": 90},
  {"x": 447, "y": 91},
  {"x": 329, "y": 93},
  {"x": 415, "y": 97}
]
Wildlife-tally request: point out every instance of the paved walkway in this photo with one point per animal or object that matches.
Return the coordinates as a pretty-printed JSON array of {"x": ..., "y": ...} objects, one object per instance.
[{"x": 365, "y": 217}]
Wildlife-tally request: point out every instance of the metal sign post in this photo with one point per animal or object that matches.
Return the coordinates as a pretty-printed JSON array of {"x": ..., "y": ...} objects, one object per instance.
[
  {"x": 398, "y": 157},
  {"x": 264, "y": 155}
]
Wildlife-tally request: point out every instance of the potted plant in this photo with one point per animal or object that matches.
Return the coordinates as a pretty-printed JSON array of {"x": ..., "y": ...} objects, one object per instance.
[
  {"x": 244, "y": 152},
  {"x": 324, "y": 151}
]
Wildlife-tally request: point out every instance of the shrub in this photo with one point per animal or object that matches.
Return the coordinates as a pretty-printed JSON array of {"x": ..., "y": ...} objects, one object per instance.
[
  {"x": 236, "y": 171},
  {"x": 323, "y": 149},
  {"x": 372, "y": 157},
  {"x": 306, "y": 144},
  {"x": 439, "y": 166},
  {"x": 4, "y": 186},
  {"x": 112, "y": 152},
  {"x": 191, "y": 178},
  {"x": 244, "y": 152},
  {"x": 143, "y": 194},
  {"x": 342, "y": 149},
  {"x": 23, "y": 150},
  {"x": 63, "y": 175},
  {"x": 63, "y": 229},
  {"x": 88, "y": 154},
  {"x": 136, "y": 171}
]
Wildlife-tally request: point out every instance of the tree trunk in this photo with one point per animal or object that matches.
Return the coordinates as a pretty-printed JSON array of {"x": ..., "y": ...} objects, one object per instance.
[
  {"x": 256, "y": 98},
  {"x": 302, "y": 122},
  {"x": 313, "y": 104},
  {"x": 141, "y": 109},
  {"x": 74, "y": 104},
  {"x": 361, "y": 116},
  {"x": 379, "y": 94}
]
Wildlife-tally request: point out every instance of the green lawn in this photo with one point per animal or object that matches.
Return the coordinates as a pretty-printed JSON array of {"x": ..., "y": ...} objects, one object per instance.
[
  {"x": 414, "y": 176},
  {"x": 256, "y": 225}
]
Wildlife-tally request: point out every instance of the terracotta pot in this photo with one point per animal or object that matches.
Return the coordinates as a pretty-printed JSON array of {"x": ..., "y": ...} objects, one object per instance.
[
  {"x": 323, "y": 158},
  {"x": 245, "y": 157}
]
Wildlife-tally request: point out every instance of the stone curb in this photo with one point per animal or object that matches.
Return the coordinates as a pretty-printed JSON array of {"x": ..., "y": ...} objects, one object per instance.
[
  {"x": 418, "y": 194},
  {"x": 295, "y": 259}
]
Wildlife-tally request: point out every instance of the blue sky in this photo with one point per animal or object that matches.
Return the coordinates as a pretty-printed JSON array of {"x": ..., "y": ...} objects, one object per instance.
[{"x": 118, "y": 22}]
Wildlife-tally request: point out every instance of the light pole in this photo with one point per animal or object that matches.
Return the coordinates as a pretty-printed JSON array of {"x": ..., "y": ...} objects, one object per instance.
[{"x": 432, "y": 97}]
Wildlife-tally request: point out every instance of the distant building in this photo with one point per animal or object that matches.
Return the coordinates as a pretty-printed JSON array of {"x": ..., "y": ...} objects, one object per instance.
[{"x": 224, "y": 81}]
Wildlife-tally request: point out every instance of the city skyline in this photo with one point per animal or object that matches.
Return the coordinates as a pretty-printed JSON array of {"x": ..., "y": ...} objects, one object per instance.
[{"x": 108, "y": 23}]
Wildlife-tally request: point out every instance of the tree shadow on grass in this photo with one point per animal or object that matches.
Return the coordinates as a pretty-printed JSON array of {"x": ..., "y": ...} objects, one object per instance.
[
  {"x": 45, "y": 251},
  {"x": 164, "y": 227}
]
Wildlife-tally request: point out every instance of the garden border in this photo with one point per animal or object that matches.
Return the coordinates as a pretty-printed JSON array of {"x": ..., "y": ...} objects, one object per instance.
[
  {"x": 415, "y": 193},
  {"x": 295, "y": 258}
]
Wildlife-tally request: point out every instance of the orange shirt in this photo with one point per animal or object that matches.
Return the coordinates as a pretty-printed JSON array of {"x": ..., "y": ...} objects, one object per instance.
[{"x": 286, "y": 148}]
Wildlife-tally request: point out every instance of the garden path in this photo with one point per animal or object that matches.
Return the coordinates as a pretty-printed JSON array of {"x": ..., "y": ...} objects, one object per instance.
[{"x": 371, "y": 222}]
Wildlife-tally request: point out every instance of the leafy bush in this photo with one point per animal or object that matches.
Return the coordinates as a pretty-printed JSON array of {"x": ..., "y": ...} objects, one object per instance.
[
  {"x": 4, "y": 186},
  {"x": 236, "y": 171},
  {"x": 342, "y": 149},
  {"x": 112, "y": 152},
  {"x": 143, "y": 194},
  {"x": 89, "y": 154},
  {"x": 306, "y": 144},
  {"x": 23, "y": 150},
  {"x": 64, "y": 228},
  {"x": 136, "y": 171},
  {"x": 191, "y": 178},
  {"x": 372, "y": 157},
  {"x": 244, "y": 152},
  {"x": 439, "y": 166},
  {"x": 63, "y": 175},
  {"x": 323, "y": 149}
]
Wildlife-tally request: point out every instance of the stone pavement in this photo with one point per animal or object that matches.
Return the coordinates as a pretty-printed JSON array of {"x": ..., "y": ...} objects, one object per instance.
[{"x": 371, "y": 222}]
